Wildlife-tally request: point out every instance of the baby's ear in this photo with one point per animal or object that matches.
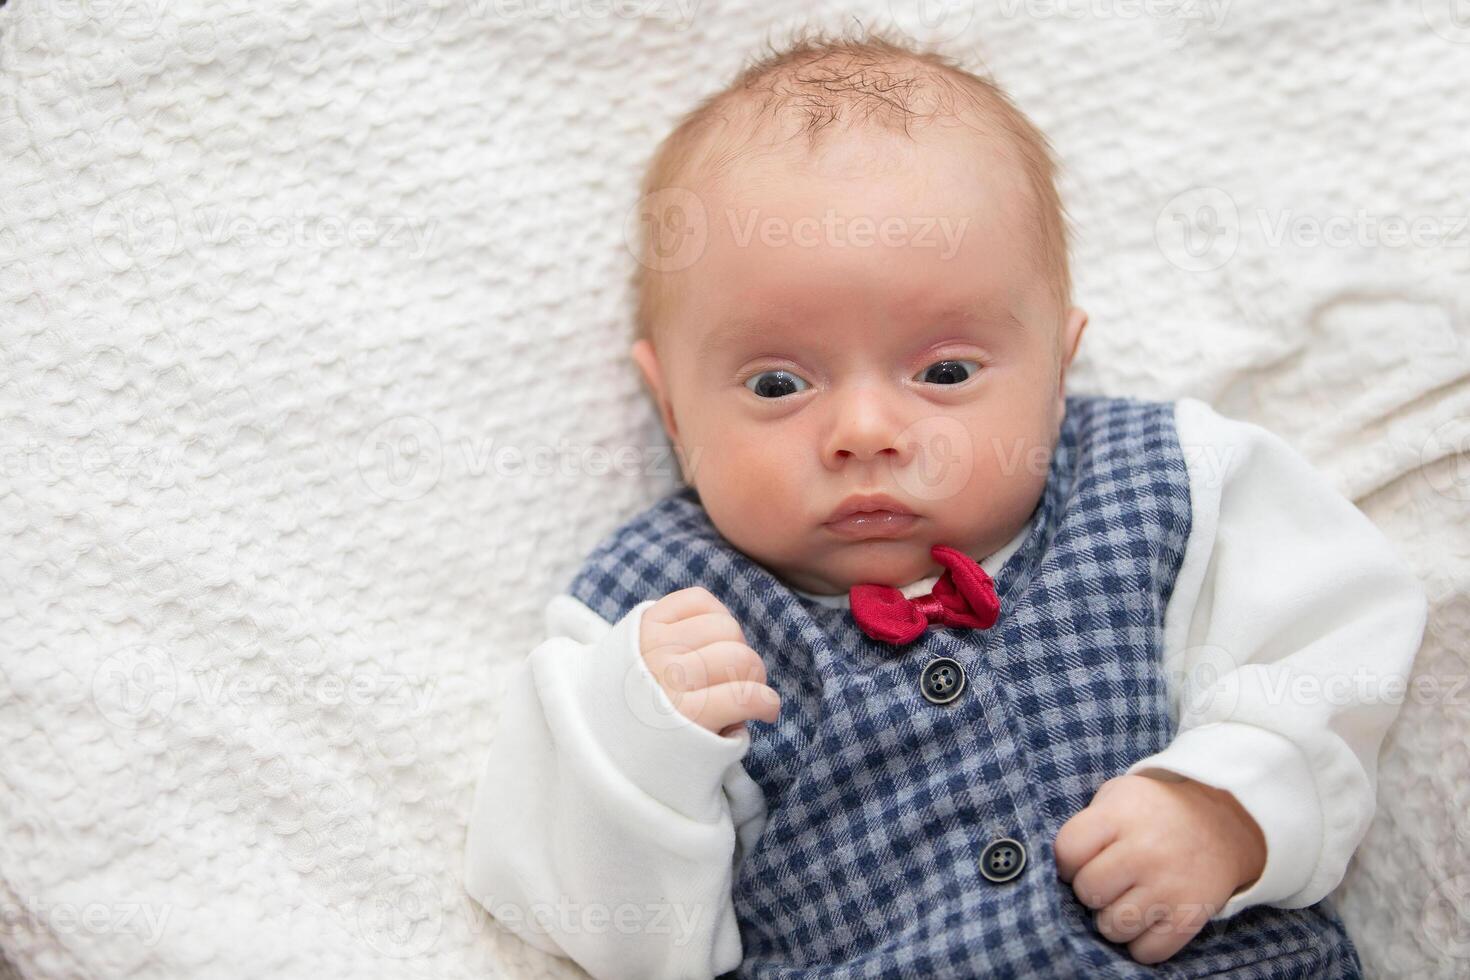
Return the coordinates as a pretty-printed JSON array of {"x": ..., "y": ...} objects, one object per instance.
[
  {"x": 1067, "y": 349},
  {"x": 646, "y": 358},
  {"x": 1072, "y": 334}
]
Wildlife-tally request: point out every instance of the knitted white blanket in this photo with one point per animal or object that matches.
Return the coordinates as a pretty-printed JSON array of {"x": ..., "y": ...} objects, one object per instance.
[{"x": 314, "y": 389}]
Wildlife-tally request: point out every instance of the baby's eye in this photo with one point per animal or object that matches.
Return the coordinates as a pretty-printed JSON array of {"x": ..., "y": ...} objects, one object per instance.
[
  {"x": 948, "y": 372},
  {"x": 775, "y": 384}
]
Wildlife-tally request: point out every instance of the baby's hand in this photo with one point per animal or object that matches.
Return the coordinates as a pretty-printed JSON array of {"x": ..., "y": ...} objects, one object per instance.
[
  {"x": 1157, "y": 859},
  {"x": 696, "y": 650}
]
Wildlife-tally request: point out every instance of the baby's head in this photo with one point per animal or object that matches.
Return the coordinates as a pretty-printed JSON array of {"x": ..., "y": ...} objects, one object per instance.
[{"x": 854, "y": 281}]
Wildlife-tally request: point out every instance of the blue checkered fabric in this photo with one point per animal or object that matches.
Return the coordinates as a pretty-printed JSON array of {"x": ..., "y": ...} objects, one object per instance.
[{"x": 881, "y": 802}]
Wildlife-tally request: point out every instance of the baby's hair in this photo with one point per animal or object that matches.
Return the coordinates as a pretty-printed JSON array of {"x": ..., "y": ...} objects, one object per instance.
[{"x": 817, "y": 81}]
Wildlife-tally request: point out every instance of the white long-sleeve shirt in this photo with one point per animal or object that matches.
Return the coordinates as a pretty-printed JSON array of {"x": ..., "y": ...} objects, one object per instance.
[{"x": 609, "y": 829}]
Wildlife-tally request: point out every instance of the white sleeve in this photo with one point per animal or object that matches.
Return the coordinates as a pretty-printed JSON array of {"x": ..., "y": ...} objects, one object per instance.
[
  {"x": 1288, "y": 641},
  {"x": 607, "y": 827}
]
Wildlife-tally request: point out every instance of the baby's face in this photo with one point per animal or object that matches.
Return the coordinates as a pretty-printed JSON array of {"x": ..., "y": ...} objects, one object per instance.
[{"x": 868, "y": 320}]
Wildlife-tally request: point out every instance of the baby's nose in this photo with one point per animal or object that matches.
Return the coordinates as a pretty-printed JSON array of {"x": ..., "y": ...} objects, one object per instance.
[{"x": 865, "y": 428}]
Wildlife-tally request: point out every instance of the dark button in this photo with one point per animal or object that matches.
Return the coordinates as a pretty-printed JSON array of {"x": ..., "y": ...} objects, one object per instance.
[
  {"x": 942, "y": 680},
  {"x": 1002, "y": 860}
]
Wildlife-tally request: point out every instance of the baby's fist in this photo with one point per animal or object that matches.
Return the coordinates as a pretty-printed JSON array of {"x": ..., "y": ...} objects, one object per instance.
[
  {"x": 1157, "y": 858},
  {"x": 696, "y": 651}
]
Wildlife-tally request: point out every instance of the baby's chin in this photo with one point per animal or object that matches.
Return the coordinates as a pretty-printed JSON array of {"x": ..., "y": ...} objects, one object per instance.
[{"x": 895, "y": 563}]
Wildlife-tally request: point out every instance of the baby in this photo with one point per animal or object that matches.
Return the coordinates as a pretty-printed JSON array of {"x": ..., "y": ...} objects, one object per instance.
[{"x": 931, "y": 669}]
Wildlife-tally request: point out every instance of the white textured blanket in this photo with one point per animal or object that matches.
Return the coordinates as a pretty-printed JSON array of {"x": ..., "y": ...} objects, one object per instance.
[{"x": 314, "y": 388}]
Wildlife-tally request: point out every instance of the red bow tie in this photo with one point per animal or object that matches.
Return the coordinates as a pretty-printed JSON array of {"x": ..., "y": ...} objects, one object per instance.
[{"x": 963, "y": 596}]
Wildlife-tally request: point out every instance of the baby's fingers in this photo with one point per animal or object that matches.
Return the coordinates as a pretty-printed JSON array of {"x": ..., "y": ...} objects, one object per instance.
[
  {"x": 1153, "y": 928},
  {"x": 1105, "y": 878},
  {"x": 726, "y": 660},
  {"x": 1080, "y": 840},
  {"x": 695, "y": 631},
  {"x": 1134, "y": 911},
  {"x": 724, "y": 705},
  {"x": 1168, "y": 935},
  {"x": 682, "y": 604}
]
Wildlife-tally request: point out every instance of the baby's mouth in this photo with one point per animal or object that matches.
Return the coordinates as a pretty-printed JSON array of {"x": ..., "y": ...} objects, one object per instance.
[{"x": 864, "y": 524}]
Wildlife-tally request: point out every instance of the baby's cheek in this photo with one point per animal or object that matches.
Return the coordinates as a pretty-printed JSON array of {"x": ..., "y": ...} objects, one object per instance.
[
  {"x": 749, "y": 485},
  {"x": 1011, "y": 459},
  {"x": 1008, "y": 474}
]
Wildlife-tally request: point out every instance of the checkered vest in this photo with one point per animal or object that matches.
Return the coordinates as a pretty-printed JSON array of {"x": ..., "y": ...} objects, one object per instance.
[{"x": 890, "y": 816}]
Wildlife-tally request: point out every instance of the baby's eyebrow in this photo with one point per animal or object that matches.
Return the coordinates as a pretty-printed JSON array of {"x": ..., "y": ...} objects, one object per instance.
[
  {"x": 734, "y": 330},
  {"x": 967, "y": 316},
  {"x": 977, "y": 315}
]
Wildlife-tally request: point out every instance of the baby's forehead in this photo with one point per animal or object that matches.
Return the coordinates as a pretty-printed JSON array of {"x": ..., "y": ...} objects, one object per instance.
[
  {"x": 941, "y": 194},
  {"x": 943, "y": 172},
  {"x": 765, "y": 148}
]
